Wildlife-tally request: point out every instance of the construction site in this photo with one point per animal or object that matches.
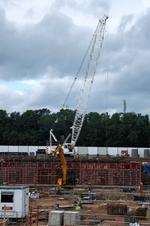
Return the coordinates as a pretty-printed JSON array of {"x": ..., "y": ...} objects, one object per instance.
[
  {"x": 98, "y": 190},
  {"x": 60, "y": 186}
]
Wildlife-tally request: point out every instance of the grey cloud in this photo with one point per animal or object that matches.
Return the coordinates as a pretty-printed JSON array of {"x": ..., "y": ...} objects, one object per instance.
[
  {"x": 124, "y": 22},
  {"x": 127, "y": 59},
  {"x": 134, "y": 73},
  {"x": 56, "y": 45},
  {"x": 54, "y": 42},
  {"x": 91, "y": 7},
  {"x": 11, "y": 100}
]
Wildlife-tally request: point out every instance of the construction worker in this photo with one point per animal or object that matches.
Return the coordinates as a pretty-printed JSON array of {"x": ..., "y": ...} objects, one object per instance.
[{"x": 59, "y": 185}]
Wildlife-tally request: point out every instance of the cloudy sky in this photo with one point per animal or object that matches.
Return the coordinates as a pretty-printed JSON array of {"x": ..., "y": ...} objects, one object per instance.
[{"x": 42, "y": 44}]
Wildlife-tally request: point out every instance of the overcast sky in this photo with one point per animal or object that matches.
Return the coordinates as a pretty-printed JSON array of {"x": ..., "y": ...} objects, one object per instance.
[{"x": 42, "y": 44}]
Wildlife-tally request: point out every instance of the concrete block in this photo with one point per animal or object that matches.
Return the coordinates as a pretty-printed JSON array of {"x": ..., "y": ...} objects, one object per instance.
[
  {"x": 56, "y": 218},
  {"x": 71, "y": 218}
]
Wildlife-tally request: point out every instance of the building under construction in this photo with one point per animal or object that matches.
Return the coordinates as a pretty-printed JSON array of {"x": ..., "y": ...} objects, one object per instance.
[
  {"x": 89, "y": 166},
  {"x": 112, "y": 171}
]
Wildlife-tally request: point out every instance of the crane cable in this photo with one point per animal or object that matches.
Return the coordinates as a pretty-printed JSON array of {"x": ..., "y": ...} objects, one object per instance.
[{"x": 79, "y": 70}]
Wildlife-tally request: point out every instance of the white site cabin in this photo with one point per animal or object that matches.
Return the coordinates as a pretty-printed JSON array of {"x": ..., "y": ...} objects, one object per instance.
[{"x": 14, "y": 201}]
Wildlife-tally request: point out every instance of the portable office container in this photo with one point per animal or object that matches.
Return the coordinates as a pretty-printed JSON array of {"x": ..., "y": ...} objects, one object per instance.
[{"x": 14, "y": 201}]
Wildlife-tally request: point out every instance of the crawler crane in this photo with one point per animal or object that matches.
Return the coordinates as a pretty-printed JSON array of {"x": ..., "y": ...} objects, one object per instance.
[{"x": 88, "y": 69}]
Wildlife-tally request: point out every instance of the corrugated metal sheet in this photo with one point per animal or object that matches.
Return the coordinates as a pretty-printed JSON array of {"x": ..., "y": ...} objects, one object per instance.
[
  {"x": 23, "y": 149},
  {"x": 80, "y": 150},
  {"x": 4, "y": 148},
  {"x": 92, "y": 150},
  {"x": 102, "y": 150},
  {"x": 13, "y": 148},
  {"x": 32, "y": 149}
]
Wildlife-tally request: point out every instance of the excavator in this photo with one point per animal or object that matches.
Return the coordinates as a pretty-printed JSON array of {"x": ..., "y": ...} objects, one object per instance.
[{"x": 87, "y": 71}]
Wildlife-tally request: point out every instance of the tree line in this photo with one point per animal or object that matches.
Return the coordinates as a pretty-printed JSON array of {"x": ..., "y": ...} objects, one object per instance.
[{"x": 32, "y": 128}]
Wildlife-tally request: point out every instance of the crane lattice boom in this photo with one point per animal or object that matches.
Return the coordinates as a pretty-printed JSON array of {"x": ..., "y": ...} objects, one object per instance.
[{"x": 92, "y": 58}]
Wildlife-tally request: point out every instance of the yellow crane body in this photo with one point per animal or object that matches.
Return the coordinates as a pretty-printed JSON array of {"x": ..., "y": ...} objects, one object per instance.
[{"x": 60, "y": 153}]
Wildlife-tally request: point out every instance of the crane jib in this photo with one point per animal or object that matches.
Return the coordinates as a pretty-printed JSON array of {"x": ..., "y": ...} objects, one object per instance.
[{"x": 91, "y": 60}]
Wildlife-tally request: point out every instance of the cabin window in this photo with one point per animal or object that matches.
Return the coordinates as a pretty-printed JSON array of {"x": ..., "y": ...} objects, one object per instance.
[{"x": 7, "y": 197}]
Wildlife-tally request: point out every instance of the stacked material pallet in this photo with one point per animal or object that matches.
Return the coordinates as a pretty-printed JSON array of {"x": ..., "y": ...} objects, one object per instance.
[
  {"x": 117, "y": 209},
  {"x": 141, "y": 212}
]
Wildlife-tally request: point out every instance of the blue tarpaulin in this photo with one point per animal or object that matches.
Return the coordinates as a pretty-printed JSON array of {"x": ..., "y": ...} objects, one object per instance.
[{"x": 147, "y": 169}]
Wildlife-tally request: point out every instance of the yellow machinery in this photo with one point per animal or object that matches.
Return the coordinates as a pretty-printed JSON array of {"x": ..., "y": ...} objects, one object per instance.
[{"x": 60, "y": 153}]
